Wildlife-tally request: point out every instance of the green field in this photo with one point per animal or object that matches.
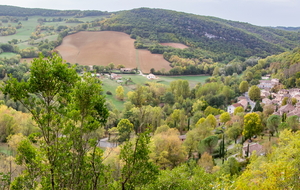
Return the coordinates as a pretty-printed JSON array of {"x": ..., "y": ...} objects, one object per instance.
[
  {"x": 193, "y": 80},
  {"x": 7, "y": 54},
  {"x": 111, "y": 85}
]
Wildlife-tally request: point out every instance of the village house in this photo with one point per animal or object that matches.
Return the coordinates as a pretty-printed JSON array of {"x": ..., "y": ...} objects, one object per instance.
[
  {"x": 151, "y": 76},
  {"x": 231, "y": 108},
  {"x": 268, "y": 84},
  {"x": 266, "y": 101},
  {"x": 296, "y": 112},
  {"x": 115, "y": 76},
  {"x": 252, "y": 147},
  {"x": 126, "y": 69},
  {"x": 285, "y": 109}
]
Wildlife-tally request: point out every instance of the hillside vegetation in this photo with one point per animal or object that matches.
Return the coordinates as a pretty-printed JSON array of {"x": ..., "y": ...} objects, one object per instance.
[
  {"x": 285, "y": 66},
  {"x": 6, "y": 10},
  {"x": 220, "y": 38}
]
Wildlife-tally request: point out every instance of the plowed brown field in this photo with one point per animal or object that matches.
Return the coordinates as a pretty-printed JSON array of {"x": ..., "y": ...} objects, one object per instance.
[{"x": 102, "y": 48}]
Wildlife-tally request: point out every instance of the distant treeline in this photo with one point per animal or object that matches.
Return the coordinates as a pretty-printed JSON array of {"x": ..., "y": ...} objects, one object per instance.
[{"x": 6, "y": 10}]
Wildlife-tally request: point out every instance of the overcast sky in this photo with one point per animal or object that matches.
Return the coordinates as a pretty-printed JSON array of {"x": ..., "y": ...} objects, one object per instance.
[{"x": 257, "y": 12}]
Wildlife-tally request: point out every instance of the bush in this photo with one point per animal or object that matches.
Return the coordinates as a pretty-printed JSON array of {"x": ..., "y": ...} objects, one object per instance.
[{"x": 108, "y": 93}]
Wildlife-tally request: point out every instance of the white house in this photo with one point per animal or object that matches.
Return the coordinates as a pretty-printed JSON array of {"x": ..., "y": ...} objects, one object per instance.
[
  {"x": 151, "y": 76},
  {"x": 231, "y": 108}
]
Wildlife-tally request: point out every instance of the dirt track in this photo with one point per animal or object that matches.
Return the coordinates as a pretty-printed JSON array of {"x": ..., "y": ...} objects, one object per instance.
[
  {"x": 175, "y": 45},
  {"x": 102, "y": 48}
]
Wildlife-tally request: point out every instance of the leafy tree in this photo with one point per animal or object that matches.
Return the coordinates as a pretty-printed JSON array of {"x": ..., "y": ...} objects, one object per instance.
[
  {"x": 284, "y": 101},
  {"x": 211, "y": 120},
  {"x": 68, "y": 111},
  {"x": 206, "y": 162},
  {"x": 252, "y": 125},
  {"x": 167, "y": 150},
  {"x": 278, "y": 170},
  {"x": 238, "y": 110},
  {"x": 169, "y": 98},
  {"x": 273, "y": 123},
  {"x": 199, "y": 105},
  {"x": 186, "y": 176},
  {"x": 234, "y": 131},
  {"x": 124, "y": 129},
  {"x": 231, "y": 166},
  {"x": 137, "y": 170},
  {"x": 254, "y": 93},
  {"x": 224, "y": 117},
  {"x": 111, "y": 66},
  {"x": 293, "y": 122},
  {"x": 208, "y": 144},
  {"x": 257, "y": 107},
  {"x": 120, "y": 93}
]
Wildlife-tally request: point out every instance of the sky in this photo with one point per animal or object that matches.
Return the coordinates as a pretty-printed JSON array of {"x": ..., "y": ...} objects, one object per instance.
[{"x": 257, "y": 12}]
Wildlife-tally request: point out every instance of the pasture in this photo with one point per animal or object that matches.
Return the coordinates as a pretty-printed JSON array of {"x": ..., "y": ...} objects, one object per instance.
[
  {"x": 7, "y": 55},
  {"x": 111, "y": 85}
]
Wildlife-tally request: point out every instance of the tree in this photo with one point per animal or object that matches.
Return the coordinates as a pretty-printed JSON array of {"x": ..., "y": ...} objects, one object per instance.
[
  {"x": 278, "y": 170},
  {"x": 167, "y": 150},
  {"x": 169, "y": 98},
  {"x": 120, "y": 66},
  {"x": 111, "y": 66},
  {"x": 257, "y": 107},
  {"x": 124, "y": 129},
  {"x": 120, "y": 93},
  {"x": 234, "y": 131},
  {"x": 254, "y": 93},
  {"x": 137, "y": 170},
  {"x": 206, "y": 162},
  {"x": 252, "y": 125},
  {"x": 293, "y": 122},
  {"x": 211, "y": 120},
  {"x": 238, "y": 110},
  {"x": 68, "y": 111},
  {"x": 208, "y": 144},
  {"x": 284, "y": 101},
  {"x": 273, "y": 123},
  {"x": 224, "y": 117}
]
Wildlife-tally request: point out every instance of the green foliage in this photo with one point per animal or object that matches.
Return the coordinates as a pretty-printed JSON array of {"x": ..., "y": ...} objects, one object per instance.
[
  {"x": 124, "y": 129},
  {"x": 254, "y": 93},
  {"x": 244, "y": 87},
  {"x": 224, "y": 117},
  {"x": 137, "y": 171},
  {"x": 278, "y": 170},
  {"x": 7, "y": 10},
  {"x": 257, "y": 107},
  {"x": 208, "y": 144},
  {"x": 252, "y": 125},
  {"x": 68, "y": 111},
  {"x": 186, "y": 176},
  {"x": 273, "y": 123},
  {"x": 204, "y": 32}
]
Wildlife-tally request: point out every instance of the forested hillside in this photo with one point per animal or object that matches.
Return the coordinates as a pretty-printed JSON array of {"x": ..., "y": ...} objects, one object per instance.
[
  {"x": 6, "y": 10},
  {"x": 220, "y": 38},
  {"x": 285, "y": 66}
]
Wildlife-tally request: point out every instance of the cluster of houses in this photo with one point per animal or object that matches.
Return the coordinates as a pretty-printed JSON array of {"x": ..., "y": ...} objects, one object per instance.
[{"x": 291, "y": 108}]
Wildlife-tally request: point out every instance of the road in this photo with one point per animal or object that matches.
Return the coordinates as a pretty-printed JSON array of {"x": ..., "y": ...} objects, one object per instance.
[{"x": 252, "y": 104}]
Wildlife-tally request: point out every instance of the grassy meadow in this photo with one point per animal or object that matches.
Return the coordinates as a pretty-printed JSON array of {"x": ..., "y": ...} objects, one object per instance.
[{"x": 111, "y": 85}]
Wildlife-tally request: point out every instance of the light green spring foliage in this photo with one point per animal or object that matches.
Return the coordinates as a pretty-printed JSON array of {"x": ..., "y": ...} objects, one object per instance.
[
  {"x": 278, "y": 170},
  {"x": 252, "y": 125},
  {"x": 68, "y": 111}
]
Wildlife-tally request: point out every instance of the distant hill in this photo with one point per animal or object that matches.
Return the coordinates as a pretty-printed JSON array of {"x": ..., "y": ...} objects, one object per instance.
[
  {"x": 6, "y": 10},
  {"x": 287, "y": 28},
  {"x": 212, "y": 34}
]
